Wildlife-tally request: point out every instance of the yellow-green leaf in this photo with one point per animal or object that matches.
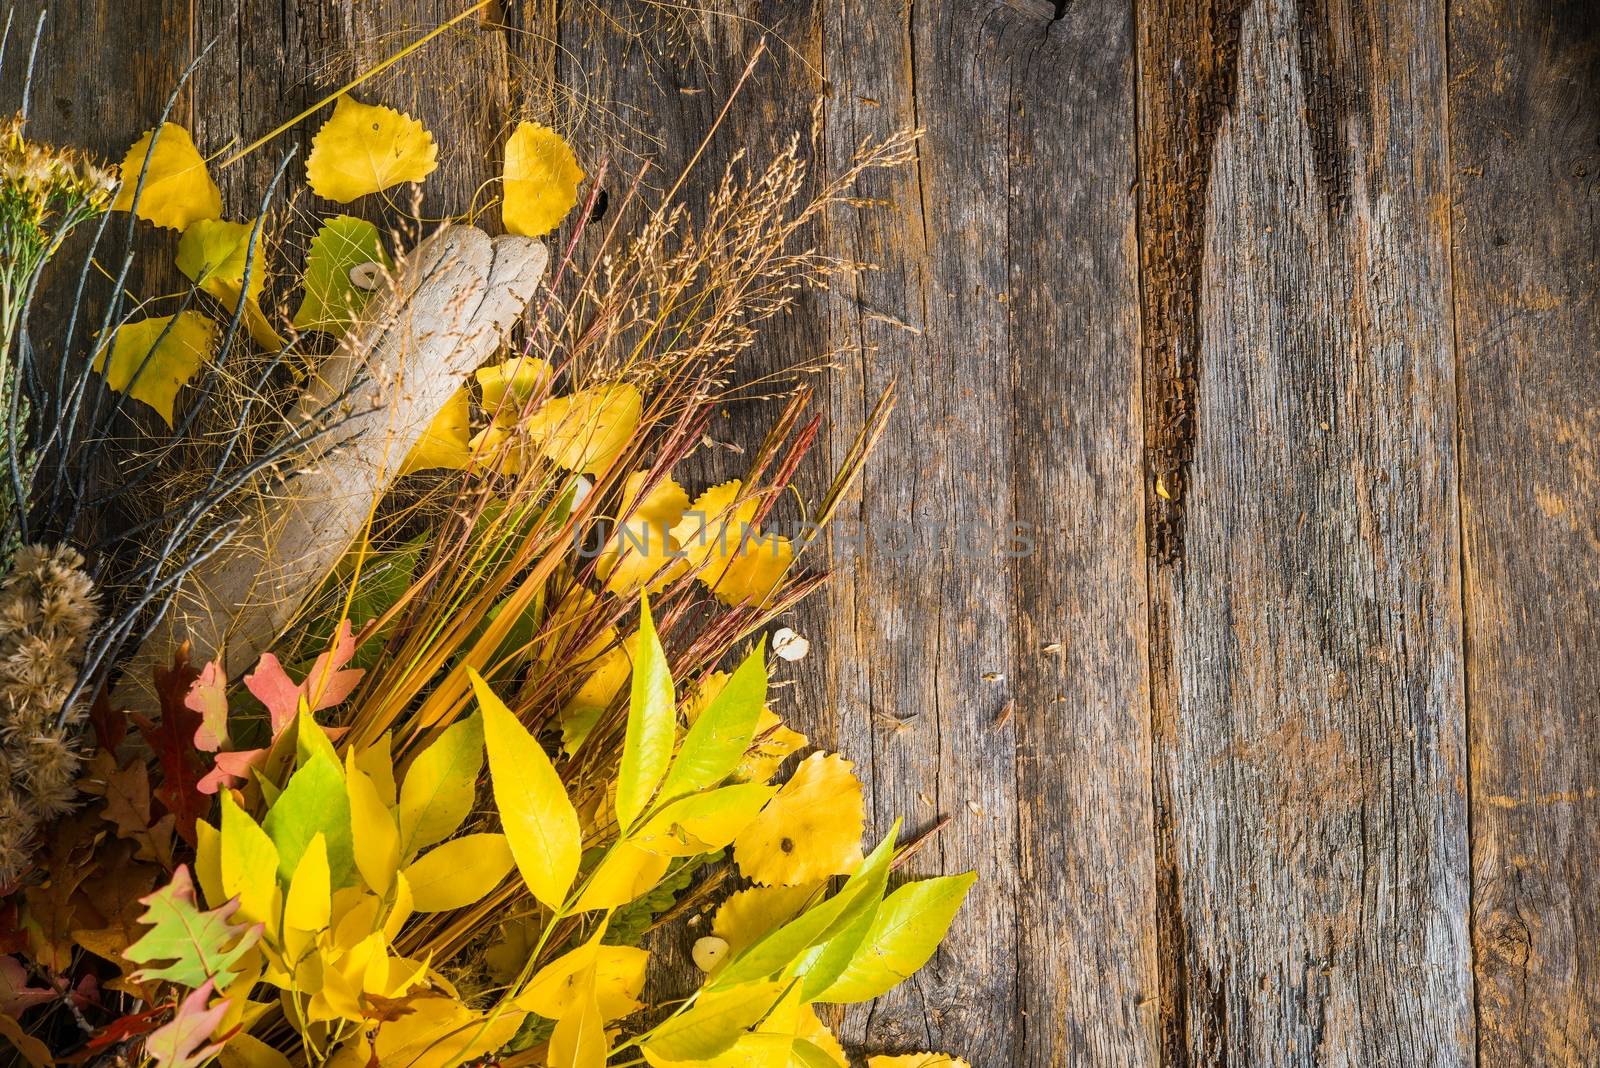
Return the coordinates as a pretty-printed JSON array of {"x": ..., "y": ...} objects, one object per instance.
[
  {"x": 150, "y": 362},
  {"x": 374, "y": 836},
  {"x": 177, "y": 189},
  {"x": 542, "y": 178},
  {"x": 713, "y": 1023},
  {"x": 717, "y": 741},
  {"x": 364, "y": 148},
  {"x": 249, "y": 863},
  {"x": 313, "y": 802},
  {"x": 310, "y": 898},
  {"x": 705, "y": 822},
  {"x": 458, "y": 872},
  {"x": 908, "y": 927},
  {"x": 440, "y": 785},
  {"x": 652, "y": 725},
  {"x": 537, "y": 814},
  {"x": 344, "y": 265},
  {"x": 216, "y": 255}
]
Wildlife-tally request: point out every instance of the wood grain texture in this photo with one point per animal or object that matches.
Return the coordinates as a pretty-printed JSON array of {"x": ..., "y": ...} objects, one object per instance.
[
  {"x": 1205, "y": 293},
  {"x": 1305, "y": 624},
  {"x": 1526, "y": 182}
]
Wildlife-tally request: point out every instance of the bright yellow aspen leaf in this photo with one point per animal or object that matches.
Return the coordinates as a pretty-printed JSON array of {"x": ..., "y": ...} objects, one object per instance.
[
  {"x": 713, "y": 524},
  {"x": 215, "y": 255},
  {"x": 810, "y": 830},
  {"x": 541, "y": 180},
  {"x": 642, "y": 552},
  {"x": 508, "y": 385},
  {"x": 535, "y": 811},
  {"x": 617, "y": 975},
  {"x": 150, "y": 362},
  {"x": 754, "y": 572},
  {"x": 365, "y": 148},
  {"x": 456, "y": 873},
  {"x": 588, "y": 430},
  {"x": 626, "y": 872},
  {"x": 177, "y": 189},
  {"x": 916, "y": 1060},
  {"x": 374, "y": 836},
  {"x": 310, "y": 898},
  {"x": 749, "y": 915},
  {"x": 443, "y": 444}
]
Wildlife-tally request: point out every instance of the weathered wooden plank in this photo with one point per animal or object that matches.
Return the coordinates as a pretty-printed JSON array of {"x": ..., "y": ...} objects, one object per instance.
[
  {"x": 1305, "y": 623},
  {"x": 1526, "y": 161},
  {"x": 1088, "y": 981}
]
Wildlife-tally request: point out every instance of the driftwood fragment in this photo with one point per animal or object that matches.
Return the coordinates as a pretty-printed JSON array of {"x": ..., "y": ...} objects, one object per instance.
[{"x": 450, "y": 303}]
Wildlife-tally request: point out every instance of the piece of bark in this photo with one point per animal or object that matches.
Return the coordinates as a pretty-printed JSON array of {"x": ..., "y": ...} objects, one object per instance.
[{"x": 450, "y": 303}]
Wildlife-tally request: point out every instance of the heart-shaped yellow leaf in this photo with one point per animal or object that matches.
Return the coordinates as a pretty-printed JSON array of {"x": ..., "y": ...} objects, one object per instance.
[
  {"x": 588, "y": 430},
  {"x": 150, "y": 362},
  {"x": 542, "y": 177},
  {"x": 365, "y": 148},
  {"x": 177, "y": 189},
  {"x": 810, "y": 830}
]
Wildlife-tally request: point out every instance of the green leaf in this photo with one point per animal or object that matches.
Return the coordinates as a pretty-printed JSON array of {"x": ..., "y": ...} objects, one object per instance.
[
  {"x": 652, "y": 725},
  {"x": 248, "y": 863},
  {"x": 333, "y": 296},
  {"x": 781, "y": 948},
  {"x": 539, "y": 820},
  {"x": 197, "y": 946},
  {"x": 810, "y": 1055},
  {"x": 821, "y": 965},
  {"x": 907, "y": 929},
  {"x": 440, "y": 786},
  {"x": 719, "y": 739},
  {"x": 714, "y": 1023},
  {"x": 313, "y": 802}
]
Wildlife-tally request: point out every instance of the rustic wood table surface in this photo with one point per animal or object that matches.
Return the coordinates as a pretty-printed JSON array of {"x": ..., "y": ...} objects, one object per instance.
[{"x": 1257, "y": 341}]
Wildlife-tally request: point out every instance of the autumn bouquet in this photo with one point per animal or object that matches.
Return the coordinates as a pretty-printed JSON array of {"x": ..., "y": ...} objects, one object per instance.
[{"x": 372, "y": 691}]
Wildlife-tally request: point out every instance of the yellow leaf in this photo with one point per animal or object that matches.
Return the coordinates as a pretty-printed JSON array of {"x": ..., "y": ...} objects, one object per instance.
[
  {"x": 215, "y": 255},
  {"x": 810, "y": 830},
  {"x": 443, "y": 444},
  {"x": 458, "y": 872},
  {"x": 249, "y": 864},
  {"x": 376, "y": 760},
  {"x": 747, "y": 916},
  {"x": 208, "y": 863},
  {"x": 712, "y": 1024},
  {"x": 754, "y": 572},
  {"x": 440, "y": 1032},
  {"x": 375, "y": 838},
  {"x": 539, "y": 820},
  {"x": 626, "y": 872},
  {"x": 507, "y": 386},
  {"x": 642, "y": 551},
  {"x": 177, "y": 190},
  {"x": 440, "y": 786},
  {"x": 246, "y": 1051},
  {"x": 364, "y": 148},
  {"x": 402, "y": 908},
  {"x": 917, "y": 1060},
  {"x": 542, "y": 178},
  {"x": 588, "y": 430},
  {"x": 150, "y": 362},
  {"x": 310, "y": 895},
  {"x": 615, "y": 972}
]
